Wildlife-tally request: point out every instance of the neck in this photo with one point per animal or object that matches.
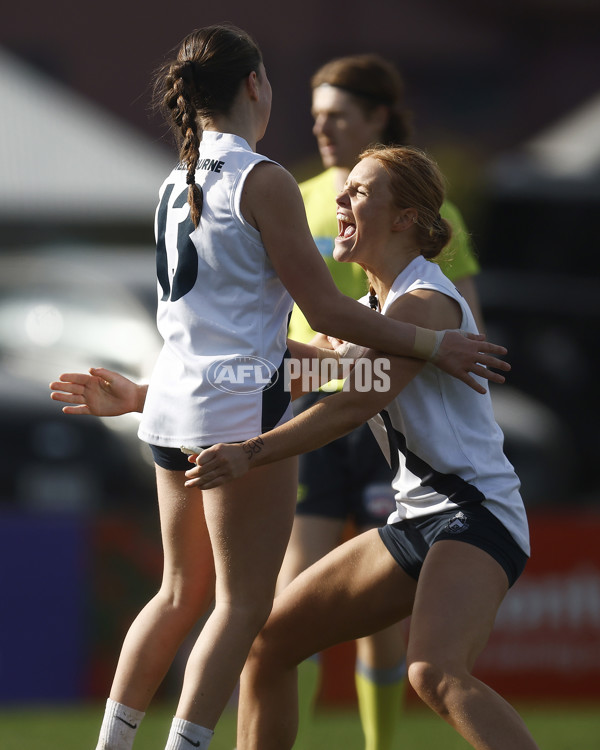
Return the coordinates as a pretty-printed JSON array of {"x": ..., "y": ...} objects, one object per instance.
[
  {"x": 227, "y": 126},
  {"x": 240, "y": 121},
  {"x": 382, "y": 277}
]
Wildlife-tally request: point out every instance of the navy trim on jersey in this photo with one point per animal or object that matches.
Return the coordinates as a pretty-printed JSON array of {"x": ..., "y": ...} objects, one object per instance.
[
  {"x": 389, "y": 428},
  {"x": 162, "y": 269},
  {"x": 275, "y": 399},
  {"x": 456, "y": 489}
]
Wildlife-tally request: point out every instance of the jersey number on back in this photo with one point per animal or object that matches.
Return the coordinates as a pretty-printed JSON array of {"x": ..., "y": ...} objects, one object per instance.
[{"x": 185, "y": 274}]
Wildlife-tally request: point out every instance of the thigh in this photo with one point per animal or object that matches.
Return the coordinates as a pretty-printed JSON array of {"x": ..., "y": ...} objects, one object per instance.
[
  {"x": 459, "y": 591},
  {"x": 355, "y": 590},
  {"x": 311, "y": 539},
  {"x": 188, "y": 558},
  {"x": 249, "y": 521}
]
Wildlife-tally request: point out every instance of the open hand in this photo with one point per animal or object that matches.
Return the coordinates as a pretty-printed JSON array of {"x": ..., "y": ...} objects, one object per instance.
[
  {"x": 463, "y": 353},
  {"x": 100, "y": 392}
]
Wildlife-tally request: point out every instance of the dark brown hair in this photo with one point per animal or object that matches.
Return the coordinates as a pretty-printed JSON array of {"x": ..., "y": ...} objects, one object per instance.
[
  {"x": 416, "y": 182},
  {"x": 373, "y": 82},
  {"x": 202, "y": 79}
]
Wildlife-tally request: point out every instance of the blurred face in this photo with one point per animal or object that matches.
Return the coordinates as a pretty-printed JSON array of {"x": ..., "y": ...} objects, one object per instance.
[
  {"x": 341, "y": 127},
  {"x": 365, "y": 213}
]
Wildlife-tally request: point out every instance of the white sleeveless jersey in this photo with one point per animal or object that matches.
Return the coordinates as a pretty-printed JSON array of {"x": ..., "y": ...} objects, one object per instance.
[
  {"x": 222, "y": 310},
  {"x": 441, "y": 437}
]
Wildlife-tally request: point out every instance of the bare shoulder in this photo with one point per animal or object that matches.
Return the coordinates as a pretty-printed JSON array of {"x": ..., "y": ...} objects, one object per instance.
[
  {"x": 270, "y": 176},
  {"x": 427, "y": 308},
  {"x": 268, "y": 188}
]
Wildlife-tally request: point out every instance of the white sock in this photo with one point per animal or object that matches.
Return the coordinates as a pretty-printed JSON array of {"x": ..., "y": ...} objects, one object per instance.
[
  {"x": 119, "y": 726},
  {"x": 184, "y": 736}
]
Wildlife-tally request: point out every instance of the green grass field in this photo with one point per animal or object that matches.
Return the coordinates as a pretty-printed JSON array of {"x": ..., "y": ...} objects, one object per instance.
[{"x": 554, "y": 727}]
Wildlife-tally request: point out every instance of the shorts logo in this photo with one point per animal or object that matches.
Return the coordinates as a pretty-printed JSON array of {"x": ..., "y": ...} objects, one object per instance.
[{"x": 457, "y": 524}]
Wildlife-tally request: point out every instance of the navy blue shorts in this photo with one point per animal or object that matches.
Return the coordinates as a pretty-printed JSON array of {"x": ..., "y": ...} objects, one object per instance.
[
  {"x": 170, "y": 458},
  {"x": 347, "y": 479},
  {"x": 409, "y": 541}
]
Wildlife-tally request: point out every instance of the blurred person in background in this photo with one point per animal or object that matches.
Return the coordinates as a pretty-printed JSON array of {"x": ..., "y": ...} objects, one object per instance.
[{"x": 345, "y": 486}]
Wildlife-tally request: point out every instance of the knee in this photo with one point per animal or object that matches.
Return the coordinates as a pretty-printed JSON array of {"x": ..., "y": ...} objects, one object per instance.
[
  {"x": 264, "y": 657},
  {"x": 253, "y": 614},
  {"x": 431, "y": 683},
  {"x": 185, "y": 602},
  {"x": 251, "y": 607}
]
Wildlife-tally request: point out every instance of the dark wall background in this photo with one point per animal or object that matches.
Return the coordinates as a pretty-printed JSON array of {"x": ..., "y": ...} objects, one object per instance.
[{"x": 483, "y": 76}]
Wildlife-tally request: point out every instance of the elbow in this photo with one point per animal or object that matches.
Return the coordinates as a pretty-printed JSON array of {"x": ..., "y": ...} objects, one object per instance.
[
  {"x": 325, "y": 314},
  {"x": 356, "y": 411},
  {"x": 318, "y": 321}
]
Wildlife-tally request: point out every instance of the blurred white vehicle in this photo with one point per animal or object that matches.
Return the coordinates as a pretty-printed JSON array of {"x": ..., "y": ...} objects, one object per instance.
[{"x": 65, "y": 309}]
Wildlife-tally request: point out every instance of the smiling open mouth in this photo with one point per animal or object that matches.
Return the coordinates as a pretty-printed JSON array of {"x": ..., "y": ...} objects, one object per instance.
[{"x": 345, "y": 228}]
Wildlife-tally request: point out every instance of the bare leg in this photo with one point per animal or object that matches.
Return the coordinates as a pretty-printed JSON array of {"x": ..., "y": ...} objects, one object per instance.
[
  {"x": 380, "y": 682},
  {"x": 249, "y": 522},
  {"x": 311, "y": 539},
  {"x": 459, "y": 592},
  {"x": 356, "y": 589},
  {"x": 383, "y": 650},
  {"x": 186, "y": 592}
]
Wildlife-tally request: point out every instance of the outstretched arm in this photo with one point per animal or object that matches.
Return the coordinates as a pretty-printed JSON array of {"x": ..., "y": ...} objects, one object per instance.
[
  {"x": 339, "y": 413},
  {"x": 102, "y": 392}
]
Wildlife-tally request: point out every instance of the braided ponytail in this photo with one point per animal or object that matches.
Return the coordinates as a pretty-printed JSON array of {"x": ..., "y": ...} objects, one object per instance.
[
  {"x": 200, "y": 83},
  {"x": 180, "y": 101}
]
